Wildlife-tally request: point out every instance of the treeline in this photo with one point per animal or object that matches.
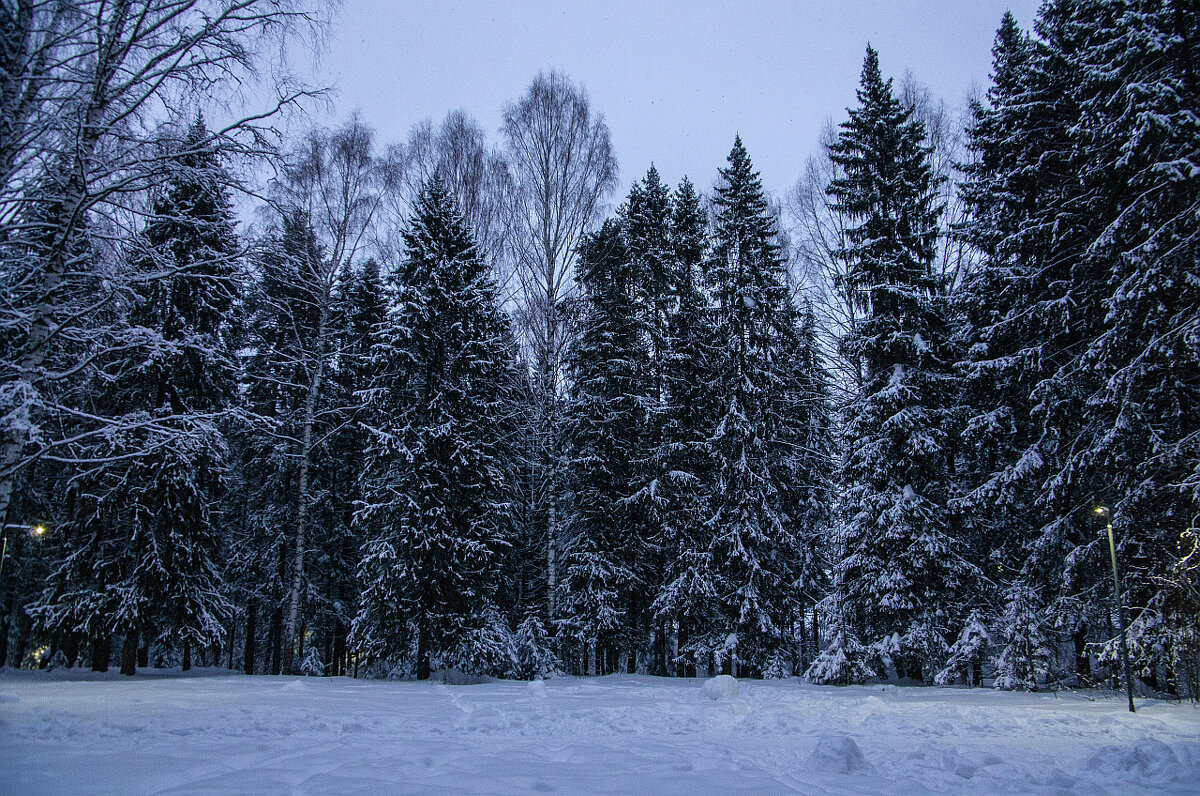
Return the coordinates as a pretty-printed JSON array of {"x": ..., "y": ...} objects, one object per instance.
[{"x": 436, "y": 412}]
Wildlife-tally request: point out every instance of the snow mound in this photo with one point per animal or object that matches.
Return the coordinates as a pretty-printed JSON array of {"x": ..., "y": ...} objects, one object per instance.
[
  {"x": 536, "y": 688},
  {"x": 838, "y": 754},
  {"x": 723, "y": 686},
  {"x": 1148, "y": 759}
]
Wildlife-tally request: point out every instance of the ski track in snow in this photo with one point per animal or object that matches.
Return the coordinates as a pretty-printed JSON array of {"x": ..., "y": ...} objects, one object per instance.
[{"x": 63, "y": 733}]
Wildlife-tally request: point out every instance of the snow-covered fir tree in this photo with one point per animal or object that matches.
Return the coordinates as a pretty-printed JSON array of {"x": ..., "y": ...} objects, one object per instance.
[
  {"x": 282, "y": 328},
  {"x": 606, "y": 435},
  {"x": 1138, "y": 104},
  {"x": 687, "y": 595},
  {"x": 903, "y": 575},
  {"x": 646, "y": 228},
  {"x": 751, "y": 546},
  {"x": 142, "y": 539},
  {"x": 438, "y": 477}
]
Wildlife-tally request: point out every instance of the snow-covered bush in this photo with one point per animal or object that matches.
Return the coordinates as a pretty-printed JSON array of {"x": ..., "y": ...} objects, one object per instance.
[
  {"x": 535, "y": 659},
  {"x": 779, "y": 667},
  {"x": 1025, "y": 659},
  {"x": 844, "y": 662},
  {"x": 485, "y": 650},
  {"x": 312, "y": 666},
  {"x": 967, "y": 653}
]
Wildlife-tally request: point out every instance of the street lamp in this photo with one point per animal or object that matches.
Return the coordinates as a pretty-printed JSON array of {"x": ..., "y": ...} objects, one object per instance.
[
  {"x": 1119, "y": 599},
  {"x": 37, "y": 529}
]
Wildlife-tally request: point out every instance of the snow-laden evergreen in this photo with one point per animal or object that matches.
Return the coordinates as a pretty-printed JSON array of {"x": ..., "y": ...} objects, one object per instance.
[
  {"x": 438, "y": 475},
  {"x": 751, "y": 555},
  {"x": 140, "y": 545},
  {"x": 605, "y": 439},
  {"x": 903, "y": 577}
]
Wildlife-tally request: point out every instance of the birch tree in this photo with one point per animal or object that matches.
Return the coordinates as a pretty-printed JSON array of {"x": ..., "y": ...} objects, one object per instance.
[{"x": 563, "y": 169}]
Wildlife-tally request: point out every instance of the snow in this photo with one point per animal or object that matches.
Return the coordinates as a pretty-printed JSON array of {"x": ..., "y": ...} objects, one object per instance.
[
  {"x": 212, "y": 732},
  {"x": 723, "y": 686}
]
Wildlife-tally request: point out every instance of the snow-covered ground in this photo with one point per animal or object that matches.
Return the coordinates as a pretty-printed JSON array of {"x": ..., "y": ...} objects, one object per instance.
[{"x": 217, "y": 733}]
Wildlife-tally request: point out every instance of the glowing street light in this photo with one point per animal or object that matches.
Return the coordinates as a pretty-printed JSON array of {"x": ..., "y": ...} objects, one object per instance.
[
  {"x": 1119, "y": 599},
  {"x": 37, "y": 530}
]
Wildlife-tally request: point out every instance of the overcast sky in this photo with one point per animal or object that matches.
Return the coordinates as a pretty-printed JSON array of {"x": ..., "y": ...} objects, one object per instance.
[{"x": 674, "y": 80}]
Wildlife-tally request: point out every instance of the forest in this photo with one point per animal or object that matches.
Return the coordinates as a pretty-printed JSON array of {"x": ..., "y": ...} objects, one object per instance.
[{"x": 284, "y": 398}]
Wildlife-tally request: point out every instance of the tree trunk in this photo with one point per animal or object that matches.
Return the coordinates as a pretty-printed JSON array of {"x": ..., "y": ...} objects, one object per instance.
[
  {"x": 129, "y": 652},
  {"x": 551, "y": 562},
  {"x": 300, "y": 647},
  {"x": 276, "y": 639},
  {"x": 310, "y": 414},
  {"x": 71, "y": 647},
  {"x": 339, "y": 648},
  {"x": 423, "y": 670},
  {"x": 1083, "y": 663},
  {"x": 187, "y": 655},
  {"x": 251, "y": 615},
  {"x": 101, "y": 652},
  {"x": 5, "y": 626},
  {"x": 232, "y": 639}
]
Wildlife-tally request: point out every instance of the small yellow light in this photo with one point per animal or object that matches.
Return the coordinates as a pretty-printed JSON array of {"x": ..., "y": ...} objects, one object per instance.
[
  {"x": 1101, "y": 510},
  {"x": 39, "y": 530}
]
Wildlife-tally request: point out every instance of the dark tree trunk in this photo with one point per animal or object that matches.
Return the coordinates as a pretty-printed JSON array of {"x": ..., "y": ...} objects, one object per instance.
[
  {"x": 232, "y": 639},
  {"x": 71, "y": 647},
  {"x": 129, "y": 653},
  {"x": 1083, "y": 663},
  {"x": 276, "y": 639},
  {"x": 251, "y": 616},
  {"x": 187, "y": 655},
  {"x": 681, "y": 666},
  {"x": 5, "y": 625},
  {"x": 339, "y": 648},
  {"x": 977, "y": 674},
  {"x": 423, "y": 670},
  {"x": 298, "y": 661},
  {"x": 101, "y": 652}
]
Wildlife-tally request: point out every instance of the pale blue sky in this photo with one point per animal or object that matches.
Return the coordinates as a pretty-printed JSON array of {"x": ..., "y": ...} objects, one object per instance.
[{"x": 675, "y": 80}]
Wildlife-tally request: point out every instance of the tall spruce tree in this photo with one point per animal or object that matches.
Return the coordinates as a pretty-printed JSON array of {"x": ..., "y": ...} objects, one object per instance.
[
  {"x": 438, "y": 481},
  {"x": 142, "y": 540},
  {"x": 605, "y": 464},
  {"x": 903, "y": 575},
  {"x": 686, "y": 596},
  {"x": 807, "y": 426},
  {"x": 1141, "y": 104},
  {"x": 751, "y": 545},
  {"x": 283, "y": 325},
  {"x": 646, "y": 229},
  {"x": 1075, "y": 327}
]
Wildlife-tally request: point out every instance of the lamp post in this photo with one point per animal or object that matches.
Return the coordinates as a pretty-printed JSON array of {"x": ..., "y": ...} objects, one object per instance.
[{"x": 1119, "y": 599}]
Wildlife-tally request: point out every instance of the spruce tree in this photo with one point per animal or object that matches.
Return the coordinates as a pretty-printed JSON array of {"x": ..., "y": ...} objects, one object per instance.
[
  {"x": 646, "y": 229},
  {"x": 438, "y": 480},
  {"x": 903, "y": 576},
  {"x": 687, "y": 594},
  {"x": 281, "y": 328},
  {"x": 605, "y": 465},
  {"x": 751, "y": 546},
  {"x": 142, "y": 539},
  {"x": 1138, "y": 98}
]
